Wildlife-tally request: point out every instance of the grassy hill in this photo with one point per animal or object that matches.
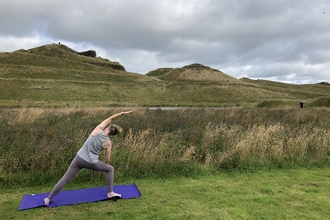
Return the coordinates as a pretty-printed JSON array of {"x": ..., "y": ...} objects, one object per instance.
[
  {"x": 307, "y": 93},
  {"x": 193, "y": 73},
  {"x": 55, "y": 75}
]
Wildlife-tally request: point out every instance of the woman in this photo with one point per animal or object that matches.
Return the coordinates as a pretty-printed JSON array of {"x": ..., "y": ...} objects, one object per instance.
[{"x": 88, "y": 157}]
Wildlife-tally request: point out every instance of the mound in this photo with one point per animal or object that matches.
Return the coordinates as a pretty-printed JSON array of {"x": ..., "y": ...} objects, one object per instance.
[
  {"x": 321, "y": 102},
  {"x": 193, "y": 73},
  {"x": 277, "y": 104},
  {"x": 245, "y": 79},
  {"x": 324, "y": 83},
  {"x": 63, "y": 52},
  {"x": 159, "y": 72},
  {"x": 54, "y": 50}
]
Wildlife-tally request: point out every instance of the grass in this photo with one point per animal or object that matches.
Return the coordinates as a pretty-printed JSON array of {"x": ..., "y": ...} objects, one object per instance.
[
  {"x": 54, "y": 75},
  {"x": 276, "y": 194},
  {"x": 207, "y": 163},
  {"x": 40, "y": 143},
  {"x": 324, "y": 102},
  {"x": 188, "y": 164},
  {"x": 194, "y": 73}
]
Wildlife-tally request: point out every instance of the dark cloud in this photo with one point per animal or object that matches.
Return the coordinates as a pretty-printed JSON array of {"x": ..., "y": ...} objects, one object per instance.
[{"x": 284, "y": 40}]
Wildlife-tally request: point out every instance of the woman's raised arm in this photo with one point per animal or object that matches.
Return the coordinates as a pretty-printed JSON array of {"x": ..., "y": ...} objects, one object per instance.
[{"x": 107, "y": 121}]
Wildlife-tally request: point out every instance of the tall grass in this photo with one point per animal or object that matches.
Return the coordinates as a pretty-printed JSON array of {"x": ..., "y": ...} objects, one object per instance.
[{"x": 37, "y": 145}]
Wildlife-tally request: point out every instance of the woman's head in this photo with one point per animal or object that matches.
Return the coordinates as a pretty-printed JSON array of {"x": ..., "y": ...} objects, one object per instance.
[{"x": 114, "y": 129}]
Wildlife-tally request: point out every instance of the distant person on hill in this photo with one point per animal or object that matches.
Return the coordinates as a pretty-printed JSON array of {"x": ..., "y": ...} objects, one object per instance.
[
  {"x": 88, "y": 157},
  {"x": 301, "y": 105}
]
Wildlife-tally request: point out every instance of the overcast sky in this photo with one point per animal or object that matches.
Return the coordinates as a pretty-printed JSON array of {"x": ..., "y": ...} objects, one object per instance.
[{"x": 278, "y": 40}]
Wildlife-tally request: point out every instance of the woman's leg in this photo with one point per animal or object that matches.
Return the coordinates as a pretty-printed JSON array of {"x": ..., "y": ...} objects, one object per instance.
[
  {"x": 73, "y": 169},
  {"x": 101, "y": 166}
]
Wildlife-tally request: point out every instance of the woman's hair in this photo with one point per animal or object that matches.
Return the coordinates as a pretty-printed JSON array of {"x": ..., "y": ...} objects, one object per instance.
[{"x": 114, "y": 129}]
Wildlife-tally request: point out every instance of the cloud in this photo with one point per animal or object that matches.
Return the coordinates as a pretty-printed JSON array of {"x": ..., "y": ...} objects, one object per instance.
[
  {"x": 12, "y": 43},
  {"x": 284, "y": 40}
]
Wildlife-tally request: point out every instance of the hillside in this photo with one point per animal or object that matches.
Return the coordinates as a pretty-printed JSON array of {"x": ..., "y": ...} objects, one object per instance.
[
  {"x": 63, "y": 52},
  {"x": 310, "y": 94},
  {"x": 56, "y": 75},
  {"x": 58, "y": 62},
  {"x": 193, "y": 73}
]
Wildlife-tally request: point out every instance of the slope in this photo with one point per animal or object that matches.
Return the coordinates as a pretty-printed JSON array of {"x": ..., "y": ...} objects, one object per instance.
[
  {"x": 193, "y": 73},
  {"x": 55, "y": 75}
]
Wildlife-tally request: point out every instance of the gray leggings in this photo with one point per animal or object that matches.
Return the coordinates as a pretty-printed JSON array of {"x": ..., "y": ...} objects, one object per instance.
[{"x": 76, "y": 165}]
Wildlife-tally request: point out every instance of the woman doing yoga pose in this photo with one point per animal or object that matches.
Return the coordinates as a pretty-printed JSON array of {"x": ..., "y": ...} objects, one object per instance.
[{"x": 88, "y": 157}]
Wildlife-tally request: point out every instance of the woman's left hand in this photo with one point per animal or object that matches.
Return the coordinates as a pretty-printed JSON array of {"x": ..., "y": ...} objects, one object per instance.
[{"x": 125, "y": 113}]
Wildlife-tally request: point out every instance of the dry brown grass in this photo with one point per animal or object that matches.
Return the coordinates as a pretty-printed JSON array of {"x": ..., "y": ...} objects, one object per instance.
[
  {"x": 272, "y": 144},
  {"x": 29, "y": 114},
  {"x": 166, "y": 142}
]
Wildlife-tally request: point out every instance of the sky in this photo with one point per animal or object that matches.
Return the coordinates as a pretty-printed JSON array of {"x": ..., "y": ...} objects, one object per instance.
[{"x": 278, "y": 40}]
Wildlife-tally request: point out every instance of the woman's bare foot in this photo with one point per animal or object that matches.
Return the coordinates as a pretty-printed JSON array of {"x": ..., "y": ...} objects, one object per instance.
[
  {"x": 113, "y": 194},
  {"x": 47, "y": 201}
]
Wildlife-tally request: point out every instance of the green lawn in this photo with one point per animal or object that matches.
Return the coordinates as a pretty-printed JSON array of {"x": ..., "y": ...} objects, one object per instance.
[{"x": 275, "y": 194}]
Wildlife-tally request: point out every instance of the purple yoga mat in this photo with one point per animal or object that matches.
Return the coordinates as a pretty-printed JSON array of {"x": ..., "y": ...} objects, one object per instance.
[{"x": 71, "y": 197}]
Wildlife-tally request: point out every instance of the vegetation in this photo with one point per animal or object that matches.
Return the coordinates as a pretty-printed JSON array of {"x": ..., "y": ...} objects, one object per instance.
[
  {"x": 190, "y": 163},
  {"x": 54, "y": 76},
  {"x": 194, "y": 73},
  {"x": 39, "y": 144},
  {"x": 291, "y": 194},
  {"x": 321, "y": 102}
]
